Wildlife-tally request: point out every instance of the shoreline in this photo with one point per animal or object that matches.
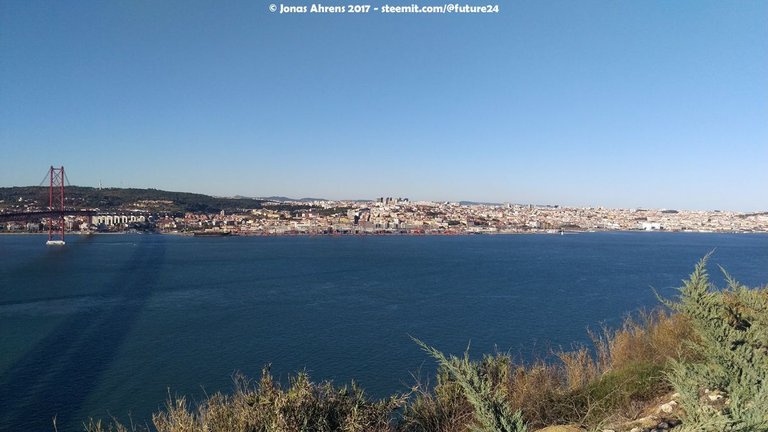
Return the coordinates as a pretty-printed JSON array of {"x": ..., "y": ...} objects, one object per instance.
[{"x": 380, "y": 234}]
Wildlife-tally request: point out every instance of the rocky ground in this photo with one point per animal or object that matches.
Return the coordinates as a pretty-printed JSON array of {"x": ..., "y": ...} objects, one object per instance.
[{"x": 658, "y": 417}]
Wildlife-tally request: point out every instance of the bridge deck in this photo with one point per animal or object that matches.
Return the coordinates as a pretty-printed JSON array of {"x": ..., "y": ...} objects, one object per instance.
[{"x": 43, "y": 214}]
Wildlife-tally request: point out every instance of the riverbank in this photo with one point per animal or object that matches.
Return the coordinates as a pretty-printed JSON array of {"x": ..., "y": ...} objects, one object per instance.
[{"x": 380, "y": 234}]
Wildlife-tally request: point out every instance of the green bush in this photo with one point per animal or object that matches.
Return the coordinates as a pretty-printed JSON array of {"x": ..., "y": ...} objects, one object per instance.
[
  {"x": 442, "y": 408},
  {"x": 478, "y": 382},
  {"x": 728, "y": 389},
  {"x": 616, "y": 390}
]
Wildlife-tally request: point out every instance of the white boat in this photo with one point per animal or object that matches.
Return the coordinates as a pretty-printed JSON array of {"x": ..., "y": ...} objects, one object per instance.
[{"x": 55, "y": 243}]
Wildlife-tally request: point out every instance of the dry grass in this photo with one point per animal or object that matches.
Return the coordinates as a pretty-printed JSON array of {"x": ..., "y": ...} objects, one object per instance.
[
  {"x": 652, "y": 337},
  {"x": 442, "y": 409},
  {"x": 302, "y": 407},
  {"x": 538, "y": 391}
]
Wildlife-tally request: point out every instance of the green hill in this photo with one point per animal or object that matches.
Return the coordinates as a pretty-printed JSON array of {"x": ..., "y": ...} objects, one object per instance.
[{"x": 114, "y": 199}]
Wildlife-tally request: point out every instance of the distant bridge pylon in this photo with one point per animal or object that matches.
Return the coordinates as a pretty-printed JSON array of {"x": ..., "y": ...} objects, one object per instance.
[
  {"x": 56, "y": 179},
  {"x": 56, "y": 206}
]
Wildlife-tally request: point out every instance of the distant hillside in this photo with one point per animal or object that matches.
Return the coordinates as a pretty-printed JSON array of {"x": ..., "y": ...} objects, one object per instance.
[
  {"x": 112, "y": 199},
  {"x": 284, "y": 199}
]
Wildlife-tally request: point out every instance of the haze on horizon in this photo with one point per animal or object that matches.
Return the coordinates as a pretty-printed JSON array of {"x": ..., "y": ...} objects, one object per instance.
[{"x": 590, "y": 103}]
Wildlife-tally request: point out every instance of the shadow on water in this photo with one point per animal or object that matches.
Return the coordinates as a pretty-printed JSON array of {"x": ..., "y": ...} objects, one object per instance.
[{"x": 59, "y": 373}]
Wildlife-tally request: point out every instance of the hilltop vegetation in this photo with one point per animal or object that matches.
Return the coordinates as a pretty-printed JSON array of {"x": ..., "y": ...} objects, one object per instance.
[
  {"x": 707, "y": 356},
  {"x": 114, "y": 199}
]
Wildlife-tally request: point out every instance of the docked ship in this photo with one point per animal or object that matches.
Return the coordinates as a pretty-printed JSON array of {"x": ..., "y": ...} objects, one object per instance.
[{"x": 211, "y": 233}]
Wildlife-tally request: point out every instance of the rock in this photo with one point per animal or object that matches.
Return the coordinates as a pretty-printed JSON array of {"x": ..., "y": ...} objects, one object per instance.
[
  {"x": 644, "y": 424},
  {"x": 636, "y": 429},
  {"x": 713, "y": 395},
  {"x": 562, "y": 428},
  {"x": 667, "y": 408},
  {"x": 662, "y": 425}
]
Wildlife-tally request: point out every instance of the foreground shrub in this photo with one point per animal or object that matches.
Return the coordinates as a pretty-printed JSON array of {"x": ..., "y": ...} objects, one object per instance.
[
  {"x": 479, "y": 384},
  {"x": 442, "y": 408},
  {"x": 302, "y": 407},
  {"x": 728, "y": 389},
  {"x": 614, "y": 381}
]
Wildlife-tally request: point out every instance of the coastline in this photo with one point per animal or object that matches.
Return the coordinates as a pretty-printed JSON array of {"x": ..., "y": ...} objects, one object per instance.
[{"x": 381, "y": 234}]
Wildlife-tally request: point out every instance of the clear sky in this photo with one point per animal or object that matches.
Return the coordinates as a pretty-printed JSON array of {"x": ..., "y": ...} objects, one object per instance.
[{"x": 659, "y": 104}]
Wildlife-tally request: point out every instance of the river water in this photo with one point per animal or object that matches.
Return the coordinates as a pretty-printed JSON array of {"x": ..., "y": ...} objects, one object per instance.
[{"x": 110, "y": 324}]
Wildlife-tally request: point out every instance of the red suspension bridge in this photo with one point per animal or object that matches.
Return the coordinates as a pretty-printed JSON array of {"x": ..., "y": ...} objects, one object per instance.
[{"x": 56, "y": 210}]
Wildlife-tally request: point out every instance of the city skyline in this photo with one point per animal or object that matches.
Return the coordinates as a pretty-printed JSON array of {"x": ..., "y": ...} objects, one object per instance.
[
  {"x": 298, "y": 200},
  {"x": 620, "y": 105}
]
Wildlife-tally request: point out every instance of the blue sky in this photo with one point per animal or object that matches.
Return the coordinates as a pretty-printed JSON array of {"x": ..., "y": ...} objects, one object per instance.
[{"x": 615, "y": 103}]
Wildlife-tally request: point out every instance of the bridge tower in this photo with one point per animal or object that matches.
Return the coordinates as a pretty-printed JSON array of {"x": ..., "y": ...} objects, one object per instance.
[{"x": 56, "y": 207}]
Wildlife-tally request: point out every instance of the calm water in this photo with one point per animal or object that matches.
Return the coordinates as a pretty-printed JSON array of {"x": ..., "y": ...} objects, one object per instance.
[{"x": 107, "y": 324}]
